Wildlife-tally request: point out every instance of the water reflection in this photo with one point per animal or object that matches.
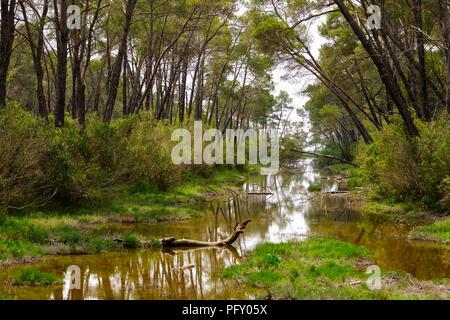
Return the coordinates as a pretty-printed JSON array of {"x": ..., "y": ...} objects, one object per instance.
[{"x": 193, "y": 273}]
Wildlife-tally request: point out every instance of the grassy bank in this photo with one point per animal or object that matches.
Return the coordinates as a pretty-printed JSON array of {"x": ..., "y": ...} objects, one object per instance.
[
  {"x": 323, "y": 269},
  {"x": 27, "y": 236},
  {"x": 404, "y": 174},
  {"x": 376, "y": 203},
  {"x": 438, "y": 232}
]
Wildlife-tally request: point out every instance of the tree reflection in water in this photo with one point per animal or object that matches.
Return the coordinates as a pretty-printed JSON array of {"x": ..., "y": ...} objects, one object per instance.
[{"x": 285, "y": 215}]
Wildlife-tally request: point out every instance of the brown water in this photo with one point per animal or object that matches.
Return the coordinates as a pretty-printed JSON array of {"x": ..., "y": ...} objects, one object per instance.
[{"x": 286, "y": 215}]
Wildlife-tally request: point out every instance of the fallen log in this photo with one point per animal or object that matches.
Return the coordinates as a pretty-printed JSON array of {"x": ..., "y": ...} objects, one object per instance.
[
  {"x": 326, "y": 156},
  {"x": 173, "y": 242},
  {"x": 337, "y": 192}
]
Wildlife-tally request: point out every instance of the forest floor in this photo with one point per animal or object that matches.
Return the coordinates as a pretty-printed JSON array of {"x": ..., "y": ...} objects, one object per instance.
[
  {"x": 26, "y": 237},
  {"x": 325, "y": 269}
]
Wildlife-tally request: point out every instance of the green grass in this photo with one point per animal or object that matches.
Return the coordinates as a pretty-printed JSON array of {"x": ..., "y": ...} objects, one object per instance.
[
  {"x": 394, "y": 211},
  {"x": 78, "y": 230},
  {"x": 312, "y": 188},
  {"x": 34, "y": 278},
  {"x": 438, "y": 231},
  {"x": 5, "y": 296},
  {"x": 131, "y": 241},
  {"x": 312, "y": 269}
]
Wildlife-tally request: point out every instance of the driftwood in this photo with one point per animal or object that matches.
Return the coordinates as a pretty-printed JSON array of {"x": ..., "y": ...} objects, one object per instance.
[
  {"x": 238, "y": 229},
  {"x": 326, "y": 156}
]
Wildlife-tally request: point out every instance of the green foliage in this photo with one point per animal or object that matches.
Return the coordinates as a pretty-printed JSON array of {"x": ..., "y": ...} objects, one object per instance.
[
  {"x": 131, "y": 241},
  {"x": 17, "y": 229},
  {"x": 153, "y": 243},
  {"x": 438, "y": 231},
  {"x": 269, "y": 260},
  {"x": 149, "y": 156},
  {"x": 313, "y": 188},
  {"x": 42, "y": 165},
  {"x": 30, "y": 170},
  {"x": 312, "y": 269},
  {"x": 410, "y": 169},
  {"x": 70, "y": 235},
  {"x": 96, "y": 245},
  {"x": 5, "y": 296},
  {"x": 300, "y": 269},
  {"x": 18, "y": 248},
  {"x": 33, "y": 277}
]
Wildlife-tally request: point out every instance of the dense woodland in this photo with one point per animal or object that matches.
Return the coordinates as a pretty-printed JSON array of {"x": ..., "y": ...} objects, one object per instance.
[{"x": 86, "y": 108}]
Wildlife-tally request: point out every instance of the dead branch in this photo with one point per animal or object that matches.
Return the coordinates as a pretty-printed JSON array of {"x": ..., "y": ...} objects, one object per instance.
[
  {"x": 238, "y": 229},
  {"x": 326, "y": 156}
]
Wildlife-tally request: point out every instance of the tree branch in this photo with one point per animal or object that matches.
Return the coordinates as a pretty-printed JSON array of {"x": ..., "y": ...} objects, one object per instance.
[{"x": 326, "y": 156}]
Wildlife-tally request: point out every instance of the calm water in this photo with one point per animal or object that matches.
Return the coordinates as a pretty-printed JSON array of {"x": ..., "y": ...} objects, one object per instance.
[{"x": 146, "y": 274}]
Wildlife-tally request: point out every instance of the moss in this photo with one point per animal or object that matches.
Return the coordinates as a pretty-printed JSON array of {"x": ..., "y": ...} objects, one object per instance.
[{"x": 33, "y": 277}]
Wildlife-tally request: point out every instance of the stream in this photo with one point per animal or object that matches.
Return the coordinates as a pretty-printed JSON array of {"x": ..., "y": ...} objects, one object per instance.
[{"x": 285, "y": 215}]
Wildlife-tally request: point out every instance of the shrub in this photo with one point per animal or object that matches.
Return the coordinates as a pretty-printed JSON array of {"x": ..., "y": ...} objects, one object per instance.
[
  {"x": 41, "y": 164},
  {"x": 149, "y": 158},
  {"x": 410, "y": 168},
  {"x": 31, "y": 169}
]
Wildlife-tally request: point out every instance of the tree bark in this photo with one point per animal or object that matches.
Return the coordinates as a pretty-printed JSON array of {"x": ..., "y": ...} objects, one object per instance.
[
  {"x": 445, "y": 12},
  {"x": 117, "y": 68},
  {"x": 237, "y": 231},
  {"x": 384, "y": 70},
  {"x": 417, "y": 10},
  {"x": 7, "y": 33},
  {"x": 36, "y": 52},
  {"x": 62, "y": 36}
]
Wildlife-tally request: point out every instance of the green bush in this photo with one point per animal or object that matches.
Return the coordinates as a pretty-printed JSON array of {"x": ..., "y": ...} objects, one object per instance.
[
  {"x": 149, "y": 157},
  {"x": 410, "y": 168},
  {"x": 31, "y": 168},
  {"x": 42, "y": 165}
]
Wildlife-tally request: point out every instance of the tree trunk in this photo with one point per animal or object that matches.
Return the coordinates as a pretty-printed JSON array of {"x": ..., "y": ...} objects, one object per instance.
[
  {"x": 36, "y": 52},
  {"x": 182, "y": 93},
  {"x": 384, "y": 70},
  {"x": 445, "y": 11},
  {"x": 8, "y": 8},
  {"x": 417, "y": 10},
  {"x": 62, "y": 36},
  {"x": 117, "y": 68}
]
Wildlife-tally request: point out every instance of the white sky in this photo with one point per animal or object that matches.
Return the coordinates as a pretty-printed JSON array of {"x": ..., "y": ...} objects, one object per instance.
[{"x": 294, "y": 85}]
